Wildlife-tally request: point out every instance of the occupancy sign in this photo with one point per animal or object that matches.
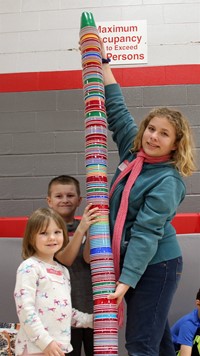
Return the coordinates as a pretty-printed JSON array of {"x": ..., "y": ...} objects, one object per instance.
[{"x": 125, "y": 41}]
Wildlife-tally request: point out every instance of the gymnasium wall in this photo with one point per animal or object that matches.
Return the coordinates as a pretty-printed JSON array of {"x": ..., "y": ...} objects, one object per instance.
[{"x": 41, "y": 97}]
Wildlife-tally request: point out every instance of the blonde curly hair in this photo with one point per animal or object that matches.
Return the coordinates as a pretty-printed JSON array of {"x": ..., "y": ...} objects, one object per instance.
[{"x": 183, "y": 156}]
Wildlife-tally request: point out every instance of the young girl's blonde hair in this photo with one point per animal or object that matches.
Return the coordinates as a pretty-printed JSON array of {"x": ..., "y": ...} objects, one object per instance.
[
  {"x": 38, "y": 221},
  {"x": 183, "y": 156}
]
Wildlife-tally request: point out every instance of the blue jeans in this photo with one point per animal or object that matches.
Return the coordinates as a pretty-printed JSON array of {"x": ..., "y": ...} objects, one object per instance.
[{"x": 147, "y": 328}]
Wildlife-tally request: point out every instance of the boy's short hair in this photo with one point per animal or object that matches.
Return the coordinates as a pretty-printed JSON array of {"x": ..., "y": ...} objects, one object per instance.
[
  {"x": 64, "y": 179},
  {"x": 198, "y": 295}
]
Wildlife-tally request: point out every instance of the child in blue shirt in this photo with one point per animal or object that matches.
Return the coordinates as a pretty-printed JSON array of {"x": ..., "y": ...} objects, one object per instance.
[{"x": 185, "y": 329}]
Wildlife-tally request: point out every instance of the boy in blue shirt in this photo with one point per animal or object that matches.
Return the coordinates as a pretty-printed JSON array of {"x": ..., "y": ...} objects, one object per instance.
[{"x": 186, "y": 330}]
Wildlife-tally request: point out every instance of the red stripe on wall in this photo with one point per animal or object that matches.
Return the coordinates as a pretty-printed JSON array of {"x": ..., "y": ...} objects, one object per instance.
[
  {"x": 127, "y": 77},
  {"x": 188, "y": 223}
]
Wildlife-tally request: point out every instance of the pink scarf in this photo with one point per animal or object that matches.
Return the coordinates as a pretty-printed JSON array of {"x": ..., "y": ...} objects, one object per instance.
[{"x": 134, "y": 168}]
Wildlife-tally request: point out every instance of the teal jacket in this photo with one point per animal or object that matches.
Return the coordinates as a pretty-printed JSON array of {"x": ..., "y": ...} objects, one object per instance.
[{"x": 148, "y": 235}]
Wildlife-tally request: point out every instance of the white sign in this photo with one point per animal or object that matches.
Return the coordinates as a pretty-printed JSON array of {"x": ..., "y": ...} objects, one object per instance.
[{"x": 125, "y": 41}]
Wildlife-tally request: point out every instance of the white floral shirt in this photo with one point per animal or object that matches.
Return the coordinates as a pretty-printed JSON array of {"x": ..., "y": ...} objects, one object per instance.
[{"x": 43, "y": 301}]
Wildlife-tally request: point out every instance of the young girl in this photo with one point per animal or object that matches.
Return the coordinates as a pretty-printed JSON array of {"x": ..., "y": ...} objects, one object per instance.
[
  {"x": 146, "y": 191},
  {"x": 42, "y": 290}
]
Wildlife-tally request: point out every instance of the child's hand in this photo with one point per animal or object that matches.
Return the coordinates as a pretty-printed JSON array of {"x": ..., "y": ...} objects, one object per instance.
[
  {"x": 89, "y": 217},
  {"x": 53, "y": 349}
]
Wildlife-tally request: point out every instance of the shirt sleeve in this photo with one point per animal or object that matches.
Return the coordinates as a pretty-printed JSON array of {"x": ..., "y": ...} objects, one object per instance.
[
  {"x": 120, "y": 121},
  {"x": 186, "y": 334},
  {"x": 81, "y": 320},
  {"x": 24, "y": 294}
]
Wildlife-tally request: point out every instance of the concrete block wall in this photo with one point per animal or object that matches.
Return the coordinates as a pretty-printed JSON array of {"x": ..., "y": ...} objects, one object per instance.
[
  {"x": 42, "y": 135},
  {"x": 42, "y": 131},
  {"x": 43, "y": 35}
]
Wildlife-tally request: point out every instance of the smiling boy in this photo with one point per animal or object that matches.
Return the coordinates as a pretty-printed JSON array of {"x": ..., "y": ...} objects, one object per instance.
[{"x": 64, "y": 197}]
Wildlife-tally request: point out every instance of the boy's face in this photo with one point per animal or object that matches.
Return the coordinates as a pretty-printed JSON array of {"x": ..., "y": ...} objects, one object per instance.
[{"x": 64, "y": 199}]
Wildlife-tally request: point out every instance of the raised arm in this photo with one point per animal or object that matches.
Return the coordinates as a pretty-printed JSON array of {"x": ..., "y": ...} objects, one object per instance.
[
  {"x": 70, "y": 252},
  {"x": 86, "y": 250},
  {"x": 107, "y": 72}
]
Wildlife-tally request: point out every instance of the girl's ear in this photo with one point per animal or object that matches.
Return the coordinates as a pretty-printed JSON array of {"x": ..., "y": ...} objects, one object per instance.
[{"x": 174, "y": 147}]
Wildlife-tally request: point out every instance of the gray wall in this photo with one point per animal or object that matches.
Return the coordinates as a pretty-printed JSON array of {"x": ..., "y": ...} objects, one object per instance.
[{"x": 42, "y": 135}]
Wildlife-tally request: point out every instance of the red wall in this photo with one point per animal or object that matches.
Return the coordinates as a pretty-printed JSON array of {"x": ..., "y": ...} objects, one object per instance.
[
  {"x": 127, "y": 77},
  {"x": 183, "y": 223}
]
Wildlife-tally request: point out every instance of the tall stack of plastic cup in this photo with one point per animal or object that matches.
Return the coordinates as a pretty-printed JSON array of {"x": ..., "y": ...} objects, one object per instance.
[{"x": 102, "y": 266}]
